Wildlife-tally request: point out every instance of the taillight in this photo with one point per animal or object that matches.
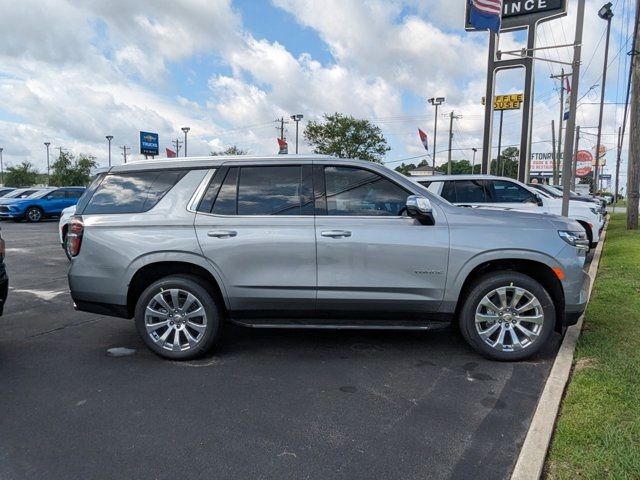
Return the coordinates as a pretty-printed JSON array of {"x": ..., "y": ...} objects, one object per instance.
[{"x": 74, "y": 235}]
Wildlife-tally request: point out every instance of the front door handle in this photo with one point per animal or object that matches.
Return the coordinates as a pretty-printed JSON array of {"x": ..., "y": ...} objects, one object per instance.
[
  {"x": 222, "y": 233},
  {"x": 336, "y": 233}
]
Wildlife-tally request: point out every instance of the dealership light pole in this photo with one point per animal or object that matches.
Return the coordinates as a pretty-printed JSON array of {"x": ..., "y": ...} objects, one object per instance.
[
  {"x": 185, "y": 130},
  {"x": 296, "y": 118},
  {"x": 606, "y": 14},
  {"x": 1, "y": 169},
  {"x": 436, "y": 102},
  {"x": 48, "y": 144},
  {"x": 109, "y": 138},
  {"x": 473, "y": 165}
]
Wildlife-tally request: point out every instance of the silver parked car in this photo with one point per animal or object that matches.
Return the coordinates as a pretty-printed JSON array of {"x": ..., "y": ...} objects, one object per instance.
[{"x": 184, "y": 246}]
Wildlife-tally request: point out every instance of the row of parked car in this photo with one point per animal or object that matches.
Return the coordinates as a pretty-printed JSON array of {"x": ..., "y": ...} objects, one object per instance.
[{"x": 35, "y": 204}]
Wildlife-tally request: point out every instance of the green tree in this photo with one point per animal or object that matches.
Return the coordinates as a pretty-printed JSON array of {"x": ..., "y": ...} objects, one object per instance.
[
  {"x": 406, "y": 168},
  {"x": 232, "y": 150},
  {"x": 508, "y": 165},
  {"x": 458, "y": 167},
  {"x": 344, "y": 136},
  {"x": 68, "y": 170},
  {"x": 23, "y": 175}
]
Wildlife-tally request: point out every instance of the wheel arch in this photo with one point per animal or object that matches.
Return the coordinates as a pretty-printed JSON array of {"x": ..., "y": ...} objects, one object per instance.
[
  {"x": 536, "y": 269},
  {"x": 154, "y": 269}
]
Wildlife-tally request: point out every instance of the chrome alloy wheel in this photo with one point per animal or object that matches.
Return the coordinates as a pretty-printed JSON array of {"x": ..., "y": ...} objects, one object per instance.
[
  {"x": 509, "y": 319},
  {"x": 175, "y": 319}
]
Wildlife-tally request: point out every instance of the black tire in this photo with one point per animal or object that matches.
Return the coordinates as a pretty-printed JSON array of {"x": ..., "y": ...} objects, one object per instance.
[
  {"x": 34, "y": 215},
  {"x": 489, "y": 283},
  {"x": 213, "y": 311}
]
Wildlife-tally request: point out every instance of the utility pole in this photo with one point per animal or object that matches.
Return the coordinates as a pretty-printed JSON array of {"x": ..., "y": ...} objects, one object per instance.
[
  {"x": 573, "y": 104},
  {"x": 1, "y": 169},
  {"x": 177, "y": 144},
  {"x": 280, "y": 128},
  {"x": 124, "y": 149},
  {"x": 553, "y": 150},
  {"x": 436, "y": 102},
  {"x": 558, "y": 156},
  {"x": 185, "y": 130},
  {"x": 499, "y": 144},
  {"x": 109, "y": 138},
  {"x": 47, "y": 144},
  {"x": 633, "y": 176},
  {"x": 452, "y": 115},
  {"x": 575, "y": 159},
  {"x": 618, "y": 156},
  {"x": 473, "y": 165},
  {"x": 606, "y": 14}
]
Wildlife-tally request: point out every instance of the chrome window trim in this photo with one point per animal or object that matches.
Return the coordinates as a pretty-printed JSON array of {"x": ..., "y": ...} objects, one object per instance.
[{"x": 200, "y": 191}]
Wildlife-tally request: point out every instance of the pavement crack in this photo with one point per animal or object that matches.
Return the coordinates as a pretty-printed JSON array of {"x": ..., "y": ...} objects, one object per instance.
[{"x": 64, "y": 327}]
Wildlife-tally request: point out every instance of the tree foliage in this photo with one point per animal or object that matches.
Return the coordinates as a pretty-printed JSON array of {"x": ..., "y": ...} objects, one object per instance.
[
  {"x": 232, "y": 150},
  {"x": 508, "y": 165},
  {"x": 344, "y": 136},
  {"x": 23, "y": 175},
  {"x": 68, "y": 170},
  {"x": 458, "y": 167},
  {"x": 405, "y": 168}
]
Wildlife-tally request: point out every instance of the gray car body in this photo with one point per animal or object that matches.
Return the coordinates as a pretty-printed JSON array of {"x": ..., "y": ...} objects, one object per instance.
[{"x": 282, "y": 266}]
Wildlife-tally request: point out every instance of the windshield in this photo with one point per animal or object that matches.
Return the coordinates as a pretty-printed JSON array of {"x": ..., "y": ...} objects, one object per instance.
[
  {"x": 553, "y": 191},
  {"x": 16, "y": 193}
]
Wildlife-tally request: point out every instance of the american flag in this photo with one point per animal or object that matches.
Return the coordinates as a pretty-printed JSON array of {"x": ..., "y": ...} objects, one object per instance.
[
  {"x": 485, "y": 14},
  {"x": 492, "y": 7}
]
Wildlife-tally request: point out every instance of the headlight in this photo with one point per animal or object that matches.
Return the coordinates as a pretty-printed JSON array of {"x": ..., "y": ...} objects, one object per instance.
[{"x": 575, "y": 239}]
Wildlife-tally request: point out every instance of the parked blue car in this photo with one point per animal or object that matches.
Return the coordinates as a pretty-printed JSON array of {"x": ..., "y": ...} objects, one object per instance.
[{"x": 43, "y": 204}]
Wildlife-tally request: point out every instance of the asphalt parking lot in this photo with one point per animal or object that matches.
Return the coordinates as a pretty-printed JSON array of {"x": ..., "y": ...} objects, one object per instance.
[{"x": 267, "y": 404}]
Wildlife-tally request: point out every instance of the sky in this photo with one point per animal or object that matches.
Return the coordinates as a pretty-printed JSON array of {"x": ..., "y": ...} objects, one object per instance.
[{"x": 72, "y": 72}]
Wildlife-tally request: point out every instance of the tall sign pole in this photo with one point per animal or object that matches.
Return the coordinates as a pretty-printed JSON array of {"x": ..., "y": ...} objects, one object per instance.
[
  {"x": 573, "y": 103},
  {"x": 633, "y": 175}
]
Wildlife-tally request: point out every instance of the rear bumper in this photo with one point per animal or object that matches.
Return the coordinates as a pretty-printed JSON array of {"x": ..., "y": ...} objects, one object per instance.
[
  {"x": 4, "y": 286},
  {"x": 108, "y": 309}
]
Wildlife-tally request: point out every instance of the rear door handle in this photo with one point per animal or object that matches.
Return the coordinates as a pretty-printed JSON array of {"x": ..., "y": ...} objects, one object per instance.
[
  {"x": 222, "y": 233},
  {"x": 336, "y": 233}
]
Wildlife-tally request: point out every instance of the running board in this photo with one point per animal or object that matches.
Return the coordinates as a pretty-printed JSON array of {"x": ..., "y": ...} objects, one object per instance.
[{"x": 332, "y": 324}]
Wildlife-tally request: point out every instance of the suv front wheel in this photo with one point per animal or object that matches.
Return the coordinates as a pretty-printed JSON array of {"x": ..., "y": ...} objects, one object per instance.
[
  {"x": 177, "y": 318},
  {"x": 507, "y": 316}
]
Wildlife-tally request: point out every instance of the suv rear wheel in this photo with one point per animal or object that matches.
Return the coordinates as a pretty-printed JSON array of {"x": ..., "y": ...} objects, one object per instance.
[
  {"x": 507, "y": 316},
  {"x": 33, "y": 215},
  {"x": 177, "y": 318}
]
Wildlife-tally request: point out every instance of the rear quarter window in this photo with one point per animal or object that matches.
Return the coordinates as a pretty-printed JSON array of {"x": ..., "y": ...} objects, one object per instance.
[{"x": 132, "y": 192}]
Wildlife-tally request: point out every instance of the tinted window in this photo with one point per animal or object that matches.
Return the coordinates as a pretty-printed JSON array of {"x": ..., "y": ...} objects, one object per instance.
[
  {"x": 509, "y": 192},
  {"x": 269, "y": 190},
  {"x": 132, "y": 192},
  {"x": 226, "y": 200},
  {"x": 73, "y": 194},
  {"x": 449, "y": 192},
  {"x": 56, "y": 195},
  {"x": 470, "y": 191},
  {"x": 358, "y": 192},
  {"x": 89, "y": 191},
  {"x": 212, "y": 191}
]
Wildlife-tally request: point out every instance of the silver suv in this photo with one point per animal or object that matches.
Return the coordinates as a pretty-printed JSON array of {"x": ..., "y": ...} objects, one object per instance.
[{"x": 184, "y": 246}]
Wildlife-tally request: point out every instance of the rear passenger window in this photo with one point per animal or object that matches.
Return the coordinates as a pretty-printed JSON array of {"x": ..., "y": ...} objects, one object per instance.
[
  {"x": 509, "y": 192},
  {"x": 132, "y": 192},
  {"x": 470, "y": 191},
  {"x": 226, "y": 200},
  {"x": 269, "y": 191},
  {"x": 73, "y": 194}
]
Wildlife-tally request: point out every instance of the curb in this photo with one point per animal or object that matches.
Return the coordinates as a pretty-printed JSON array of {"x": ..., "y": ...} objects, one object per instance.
[{"x": 534, "y": 449}]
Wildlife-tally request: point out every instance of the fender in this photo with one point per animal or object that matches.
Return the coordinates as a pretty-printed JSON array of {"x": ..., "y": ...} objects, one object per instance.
[
  {"x": 454, "y": 284},
  {"x": 173, "y": 256}
]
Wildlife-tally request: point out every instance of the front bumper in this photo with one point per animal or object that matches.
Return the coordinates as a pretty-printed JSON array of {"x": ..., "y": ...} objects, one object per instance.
[{"x": 576, "y": 300}]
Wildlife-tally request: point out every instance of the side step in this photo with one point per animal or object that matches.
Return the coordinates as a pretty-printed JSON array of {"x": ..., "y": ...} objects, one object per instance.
[{"x": 334, "y": 324}]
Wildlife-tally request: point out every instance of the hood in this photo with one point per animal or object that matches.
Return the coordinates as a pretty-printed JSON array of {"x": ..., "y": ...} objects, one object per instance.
[{"x": 514, "y": 218}]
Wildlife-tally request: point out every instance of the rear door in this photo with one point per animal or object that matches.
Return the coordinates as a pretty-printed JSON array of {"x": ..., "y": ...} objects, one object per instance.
[
  {"x": 255, "y": 225},
  {"x": 371, "y": 257}
]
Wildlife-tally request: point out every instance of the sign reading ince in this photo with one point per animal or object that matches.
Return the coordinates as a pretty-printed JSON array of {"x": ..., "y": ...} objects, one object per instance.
[{"x": 513, "y": 8}]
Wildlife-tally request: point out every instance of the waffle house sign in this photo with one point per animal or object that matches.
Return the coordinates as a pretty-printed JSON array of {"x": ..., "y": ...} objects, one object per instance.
[{"x": 512, "y": 101}]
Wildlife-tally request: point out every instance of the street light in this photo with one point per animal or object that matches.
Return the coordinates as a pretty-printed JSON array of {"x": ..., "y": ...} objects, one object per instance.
[
  {"x": 1, "y": 169},
  {"x": 604, "y": 13},
  {"x": 47, "y": 144},
  {"x": 436, "y": 102},
  {"x": 296, "y": 118},
  {"x": 109, "y": 138},
  {"x": 473, "y": 165},
  {"x": 185, "y": 130}
]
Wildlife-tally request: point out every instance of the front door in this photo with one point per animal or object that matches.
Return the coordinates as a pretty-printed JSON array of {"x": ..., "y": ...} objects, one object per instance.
[
  {"x": 255, "y": 225},
  {"x": 371, "y": 258}
]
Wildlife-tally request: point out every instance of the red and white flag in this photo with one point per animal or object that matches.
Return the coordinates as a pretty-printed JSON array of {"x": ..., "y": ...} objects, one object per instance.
[
  {"x": 171, "y": 153},
  {"x": 424, "y": 139},
  {"x": 567, "y": 86},
  {"x": 283, "y": 146}
]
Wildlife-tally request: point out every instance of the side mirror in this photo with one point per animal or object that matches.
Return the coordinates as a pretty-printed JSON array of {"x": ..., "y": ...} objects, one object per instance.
[{"x": 420, "y": 208}]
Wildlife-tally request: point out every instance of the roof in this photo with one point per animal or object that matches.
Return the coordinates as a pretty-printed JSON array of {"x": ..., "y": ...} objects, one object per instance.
[
  {"x": 215, "y": 161},
  {"x": 442, "y": 178}
]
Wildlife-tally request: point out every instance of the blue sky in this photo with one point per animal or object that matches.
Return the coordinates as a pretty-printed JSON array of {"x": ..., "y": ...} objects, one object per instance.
[{"x": 228, "y": 69}]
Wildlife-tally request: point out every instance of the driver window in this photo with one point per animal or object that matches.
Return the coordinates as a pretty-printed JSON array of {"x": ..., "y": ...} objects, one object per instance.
[
  {"x": 359, "y": 192},
  {"x": 509, "y": 192}
]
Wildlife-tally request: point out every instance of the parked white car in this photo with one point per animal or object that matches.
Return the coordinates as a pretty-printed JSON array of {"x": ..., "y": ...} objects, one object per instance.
[
  {"x": 507, "y": 193},
  {"x": 63, "y": 225}
]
